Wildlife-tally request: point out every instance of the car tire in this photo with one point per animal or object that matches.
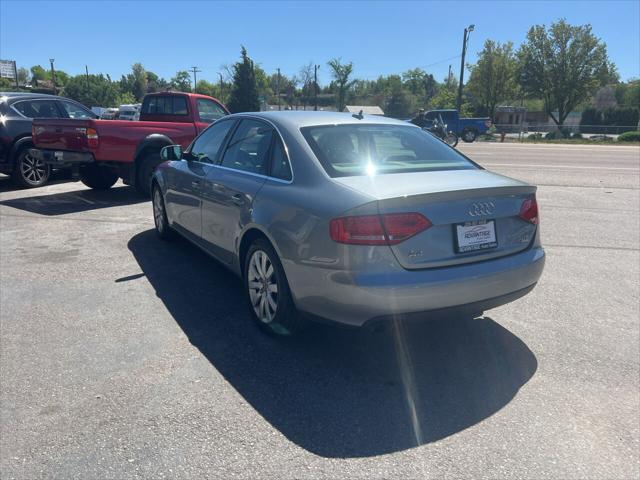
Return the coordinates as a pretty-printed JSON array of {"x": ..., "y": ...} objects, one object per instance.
[
  {"x": 469, "y": 135},
  {"x": 163, "y": 230},
  {"x": 98, "y": 177},
  {"x": 29, "y": 172},
  {"x": 263, "y": 289},
  {"x": 145, "y": 171},
  {"x": 451, "y": 139}
]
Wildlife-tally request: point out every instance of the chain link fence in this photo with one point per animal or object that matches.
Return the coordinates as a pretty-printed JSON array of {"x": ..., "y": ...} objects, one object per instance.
[{"x": 533, "y": 131}]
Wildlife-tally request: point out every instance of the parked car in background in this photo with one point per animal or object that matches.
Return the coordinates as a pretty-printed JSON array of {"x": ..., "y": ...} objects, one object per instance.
[
  {"x": 468, "y": 129},
  {"x": 348, "y": 218},
  {"x": 129, "y": 112},
  {"x": 109, "y": 114},
  {"x": 101, "y": 151},
  {"x": 17, "y": 111}
]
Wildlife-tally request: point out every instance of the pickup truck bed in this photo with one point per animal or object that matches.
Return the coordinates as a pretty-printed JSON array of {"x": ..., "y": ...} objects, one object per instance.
[{"x": 101, "y": 151}]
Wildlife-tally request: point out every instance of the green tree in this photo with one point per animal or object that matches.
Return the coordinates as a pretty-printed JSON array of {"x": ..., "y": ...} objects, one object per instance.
[
  {"x": 492, "y": 78},
  {"x": 182, "y": 81},
  {"x": 628, "y": 93},
  {"x": 563, "y": 65},
  {"x": 38, "y": 73},
  {"x": 138, "y": 81},
  {"x": 205, "y": 88},
  {"x": 23, "y": 76},
  {"x": 244, "y": 91},
  {"x": 6, "y": 85},
  {"x": 340, "y": 73},
  {"x": 96, "y": 91}
]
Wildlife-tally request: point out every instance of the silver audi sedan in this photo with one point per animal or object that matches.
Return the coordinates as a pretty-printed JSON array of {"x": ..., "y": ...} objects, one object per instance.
[{"x": 349, "y": 218}]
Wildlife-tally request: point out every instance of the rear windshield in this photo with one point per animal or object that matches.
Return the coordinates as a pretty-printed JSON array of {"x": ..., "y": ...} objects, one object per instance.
[
  {"x": 348, "y": 150},
  {"x": 165, "y": 105}
]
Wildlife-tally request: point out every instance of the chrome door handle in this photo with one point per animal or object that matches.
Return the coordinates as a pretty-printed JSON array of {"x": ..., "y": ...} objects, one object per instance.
[
  {"x": 195, "y": 184},
  {"x": 237, "y": 199}
]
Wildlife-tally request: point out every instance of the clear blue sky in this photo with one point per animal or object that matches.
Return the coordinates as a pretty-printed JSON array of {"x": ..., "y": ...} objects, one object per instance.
[{"x": 379, "y": 37}]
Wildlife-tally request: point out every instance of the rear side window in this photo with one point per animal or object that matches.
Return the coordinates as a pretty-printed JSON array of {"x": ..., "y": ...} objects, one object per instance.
[
  {"x": 248, "y": 149},
  {"x": 375, "y": 149},
  {"x": 37, "y": 108},
  {"x": 209, "y": 110},
  {"x": 76, "y": 111},
  {"x": 280, "y": 167},
  {"x": 165, "y": 105}
]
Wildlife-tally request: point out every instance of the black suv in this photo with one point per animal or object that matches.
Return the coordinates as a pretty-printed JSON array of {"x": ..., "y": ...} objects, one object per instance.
[{"x": 16, "y": 112}]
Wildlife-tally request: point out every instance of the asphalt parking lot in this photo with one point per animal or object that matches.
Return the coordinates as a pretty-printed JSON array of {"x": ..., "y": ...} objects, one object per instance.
[{"x": 123, "y": 356}]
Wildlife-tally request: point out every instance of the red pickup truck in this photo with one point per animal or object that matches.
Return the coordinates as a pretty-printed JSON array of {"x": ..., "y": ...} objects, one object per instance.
[{"x": 101, "y": 151}]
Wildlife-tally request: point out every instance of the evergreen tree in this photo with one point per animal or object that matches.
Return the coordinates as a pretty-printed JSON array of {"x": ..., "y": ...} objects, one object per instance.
[{"x": 244, "y": 91}]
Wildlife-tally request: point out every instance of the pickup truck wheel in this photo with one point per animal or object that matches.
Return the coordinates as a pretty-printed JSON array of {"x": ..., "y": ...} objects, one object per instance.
[
  {"x": 469, "y": 135},
  {"x": 98, "y": 177},
  {"x": 29, "y": 172},
  {"x": 146, "y": 168}
]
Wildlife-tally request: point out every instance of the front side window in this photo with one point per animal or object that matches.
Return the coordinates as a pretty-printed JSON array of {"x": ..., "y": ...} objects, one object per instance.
[
  {"x": 76, "y": 111},
  {"x": 354, "y": 149},
  {"x": 206, "y": 146},
  {"x": 209, "y": 110},
  {"x": 248, "y": 149},
  {"x": 37, "y": 108}
]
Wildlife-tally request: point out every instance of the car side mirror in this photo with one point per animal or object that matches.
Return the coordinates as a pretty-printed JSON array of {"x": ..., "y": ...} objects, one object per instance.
[{"x": 171, "y": 152}]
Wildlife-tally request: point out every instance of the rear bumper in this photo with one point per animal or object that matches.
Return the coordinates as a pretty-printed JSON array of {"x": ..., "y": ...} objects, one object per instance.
[
  {"x": 354, "y": 299},
  {"x": 62, "y": 158}
]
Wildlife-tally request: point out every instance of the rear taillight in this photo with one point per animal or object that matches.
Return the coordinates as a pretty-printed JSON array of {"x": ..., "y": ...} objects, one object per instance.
[
  {"x": 529, "y": 210},
  {"x": 92, "y": 138},
  {"x": 389, "y": 229}
]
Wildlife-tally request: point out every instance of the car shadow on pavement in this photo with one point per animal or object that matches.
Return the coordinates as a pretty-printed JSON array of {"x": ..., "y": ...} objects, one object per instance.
[
  {"x": 340, "y": 392},
  {"x": 7, "y": 185},
  {"x": 76, "y": 201}
]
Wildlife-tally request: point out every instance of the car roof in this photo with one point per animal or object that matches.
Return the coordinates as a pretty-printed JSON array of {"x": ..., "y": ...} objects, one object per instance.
[
  {"x": 296, "y": 119},
  {"x": 11, "y": 95}
]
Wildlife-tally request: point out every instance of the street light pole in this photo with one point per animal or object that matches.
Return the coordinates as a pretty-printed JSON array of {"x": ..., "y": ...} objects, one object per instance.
[
  {"x": 53, "y": 76},
  {"x": 315, "y": 87},
  {"x": 465, "y": 39},
  {"x": 278, "y": 88},
  {"x": 221, "y": 92}
]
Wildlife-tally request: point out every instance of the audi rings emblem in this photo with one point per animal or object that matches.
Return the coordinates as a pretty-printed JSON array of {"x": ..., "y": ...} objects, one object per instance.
[{"x": 481, "y": 209}]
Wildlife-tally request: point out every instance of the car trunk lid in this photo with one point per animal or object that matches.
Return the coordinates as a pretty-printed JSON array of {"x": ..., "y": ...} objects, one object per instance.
[{"x": 474, "y": 214}]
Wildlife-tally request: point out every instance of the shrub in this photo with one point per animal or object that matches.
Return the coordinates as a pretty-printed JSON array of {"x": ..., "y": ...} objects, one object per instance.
[
  {"x": 560, "y": 134},
  {"x": 577, "y": 135},
  {"x": 535, "y": 136},
  {"x": 629, "y": 137}
]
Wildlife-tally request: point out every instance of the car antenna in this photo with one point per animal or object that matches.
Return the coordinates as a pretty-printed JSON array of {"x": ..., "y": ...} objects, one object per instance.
[{"x": 358, "y": 115}]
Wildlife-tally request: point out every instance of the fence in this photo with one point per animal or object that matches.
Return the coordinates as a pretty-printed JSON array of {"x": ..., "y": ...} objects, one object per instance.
[{"x": 525, "y": 130}]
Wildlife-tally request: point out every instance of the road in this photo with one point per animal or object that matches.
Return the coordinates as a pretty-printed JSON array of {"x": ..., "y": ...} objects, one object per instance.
[{"x": 125, "y": 357}]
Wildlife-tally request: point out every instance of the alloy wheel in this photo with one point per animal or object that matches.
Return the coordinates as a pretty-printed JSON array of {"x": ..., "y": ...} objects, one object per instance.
[
  {"x": 158, "y": 210},
  {"x": 33, "y": 170},
  {"x": 263, "y": 286}
]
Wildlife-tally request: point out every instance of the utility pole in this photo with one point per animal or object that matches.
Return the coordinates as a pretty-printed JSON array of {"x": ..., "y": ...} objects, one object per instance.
[
  {"x": 195, "y": 70},
  {"x": 449, "y": 76},
  {"x": 278, "y": 88},
  {"x": 221, "y": 92},
  {"x": 315, "y": 87},
  {"x": 86, "y": 69},
  {"x": 53, "y": 75},
  {"x": 465, "y": 39}
]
